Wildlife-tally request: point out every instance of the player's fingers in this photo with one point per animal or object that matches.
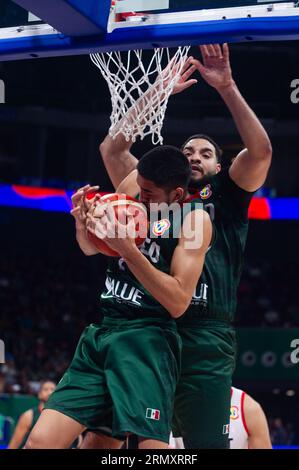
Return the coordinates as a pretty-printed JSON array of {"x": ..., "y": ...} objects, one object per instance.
[
  {"x": 100, "y": 210},
  {"x": 225, "y": 49},
  {"x": 104, "y": 219},
  {"x": 188, "y": 84},
  {"x": 100, "y": 230},
  {"x": 218, "y": 50},
  {"x": 188, "y": 72},
  {"x": 76, "y": 197},
  {"x": 91, "y": 229},
  {"x": 84, "y": 187},
  {"x": 93, "y": 188},
  {"x": 87, "y": 191},
  {"x": 212, "y": 52},
  {"x": 186, "y": 65},
  {"x": 75, "y": 212},
  {"x": 90, "y": 220},
  {"x": 204, "y": 52},
  {"x": 200, "y": 67},
  {"x": 83, "y": 213},
  {"x": 131, "y": 227},
  {"x": 81, "y": 190},
  {"x": 110, "y": 213}
]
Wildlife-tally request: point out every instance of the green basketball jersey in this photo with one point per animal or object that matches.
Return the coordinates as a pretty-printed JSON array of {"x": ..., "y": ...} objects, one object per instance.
[
  {"x": 216, "y": 293},
  {"x": 124, "y": 297}
]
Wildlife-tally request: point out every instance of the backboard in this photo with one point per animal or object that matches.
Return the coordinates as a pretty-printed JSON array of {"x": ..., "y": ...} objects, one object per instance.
[{"x": 34, "y": 28}]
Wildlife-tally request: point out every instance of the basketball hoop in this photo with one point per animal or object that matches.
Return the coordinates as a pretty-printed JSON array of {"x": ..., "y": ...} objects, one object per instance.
[{"x": 140, "y": 87}]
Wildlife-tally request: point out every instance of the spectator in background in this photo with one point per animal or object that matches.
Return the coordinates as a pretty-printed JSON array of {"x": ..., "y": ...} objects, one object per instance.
[
  {"x": 278, "y": 432},
  {"x": 28, "y": 419}
]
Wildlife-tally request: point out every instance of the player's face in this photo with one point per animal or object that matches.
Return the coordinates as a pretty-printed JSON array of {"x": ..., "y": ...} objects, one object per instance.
[
  {"x": 150, "y": 193},
  {"x": 202, "y": 158},
  {"x": 46, "y": 390}
]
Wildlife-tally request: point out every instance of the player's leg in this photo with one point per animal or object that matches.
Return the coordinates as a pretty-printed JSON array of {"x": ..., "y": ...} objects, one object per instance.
[
  {"x": 202, "y": 404},
  {"x": 53, "y": 430},
  {"x": 96, "y": 440},
  {"x": 142, "y": 371}
]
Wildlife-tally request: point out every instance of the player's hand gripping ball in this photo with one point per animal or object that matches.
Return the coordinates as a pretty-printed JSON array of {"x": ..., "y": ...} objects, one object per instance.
[{"x": 123, "y": 207}]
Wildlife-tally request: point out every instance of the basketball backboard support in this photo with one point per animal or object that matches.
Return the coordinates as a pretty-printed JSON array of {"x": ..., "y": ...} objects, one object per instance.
[{"x": 70, "y": 27}]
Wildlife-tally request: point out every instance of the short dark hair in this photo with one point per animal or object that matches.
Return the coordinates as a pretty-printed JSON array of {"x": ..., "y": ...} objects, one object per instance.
[
  {"x": 166, "y": 166},
  {"x": 218, "y": 150}
]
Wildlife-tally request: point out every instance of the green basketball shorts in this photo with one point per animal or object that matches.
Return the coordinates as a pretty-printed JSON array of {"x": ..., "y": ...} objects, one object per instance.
[
  {"x": 202, "y": 402},
  {"x": 123, "y": 377}
]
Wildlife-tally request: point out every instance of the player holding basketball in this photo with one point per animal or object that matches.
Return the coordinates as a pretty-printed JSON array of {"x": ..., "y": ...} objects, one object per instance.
[
  {"x": 208, "y": 356},
  {"x": 125, "y": 370}
]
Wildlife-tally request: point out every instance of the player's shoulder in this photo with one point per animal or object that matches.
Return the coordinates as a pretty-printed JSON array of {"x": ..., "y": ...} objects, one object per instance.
[
  {"x": 27, "y": 416},
  {"x": 219, "y": 179},
  {"x": 251, "y": 405}
]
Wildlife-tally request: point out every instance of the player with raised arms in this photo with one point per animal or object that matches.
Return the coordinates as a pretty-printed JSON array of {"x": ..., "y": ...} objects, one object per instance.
[{"x": 209, "y": 347}]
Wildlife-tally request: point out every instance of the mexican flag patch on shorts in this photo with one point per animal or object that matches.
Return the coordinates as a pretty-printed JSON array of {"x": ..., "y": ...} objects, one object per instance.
[{"x": 152, "y": 414}]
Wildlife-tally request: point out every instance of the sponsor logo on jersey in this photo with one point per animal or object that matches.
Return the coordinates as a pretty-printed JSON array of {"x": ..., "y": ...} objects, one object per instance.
[
  {"x": 152, "y": 414},
  {"x": 121, "y": 291},
  {"x": 160, "y": 227},
  {"x": 234, "y": 412},
  {"x": 200, "y": 295},
  {"x": 225, "y": 429},
  {"x": 206, "y": 192}
]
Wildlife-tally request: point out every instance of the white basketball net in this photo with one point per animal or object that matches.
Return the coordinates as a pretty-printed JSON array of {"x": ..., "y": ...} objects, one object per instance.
[{"x": 140, "y": 88}]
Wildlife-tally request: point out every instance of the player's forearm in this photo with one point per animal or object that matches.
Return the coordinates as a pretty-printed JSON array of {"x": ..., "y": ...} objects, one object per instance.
[
  {"x": 252, "y": 132},
  {"x": 163, "y": 287},
  {"x": 85, "y": 244},
  {"x": 117, "y": 158}
]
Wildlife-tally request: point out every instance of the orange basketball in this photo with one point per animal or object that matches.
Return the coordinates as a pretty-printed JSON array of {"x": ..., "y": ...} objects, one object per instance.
[{"x": 123, "y": 206}]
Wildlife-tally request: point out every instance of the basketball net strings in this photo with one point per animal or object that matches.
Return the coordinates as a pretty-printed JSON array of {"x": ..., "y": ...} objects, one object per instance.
[{"x": 140, "y": 89}]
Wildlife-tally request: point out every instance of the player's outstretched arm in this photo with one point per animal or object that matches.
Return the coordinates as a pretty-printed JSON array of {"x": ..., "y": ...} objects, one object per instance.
[
  {"x": 249, "y": 169},
  {"x": 259, "y": 436},
  {"x": 21, "y": 429},
  {"x": 174, "y": 291}
]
